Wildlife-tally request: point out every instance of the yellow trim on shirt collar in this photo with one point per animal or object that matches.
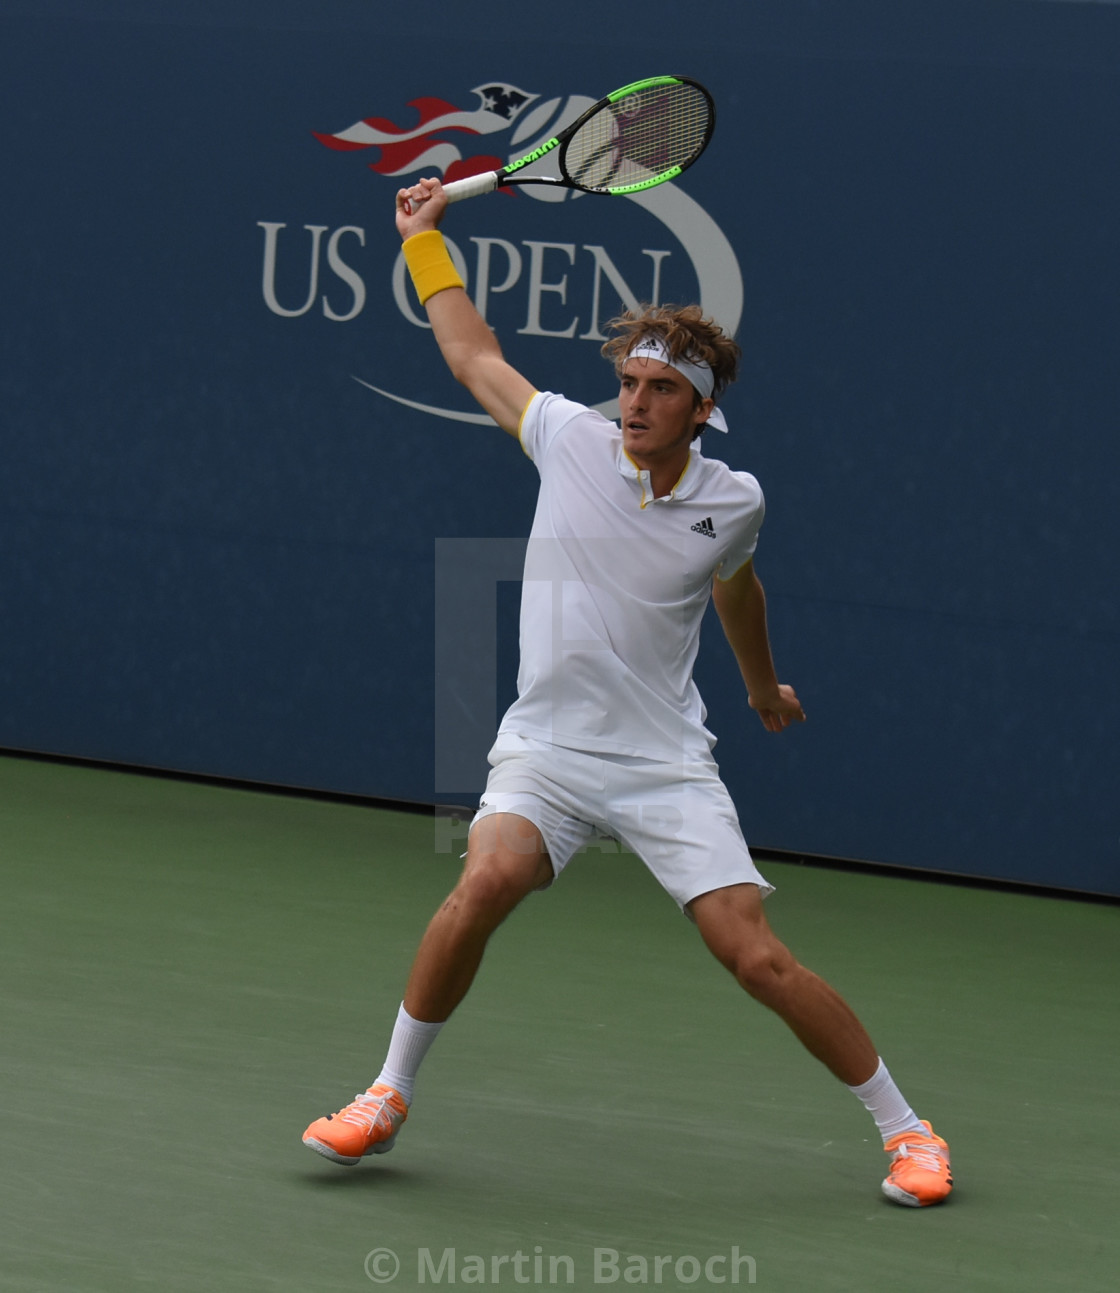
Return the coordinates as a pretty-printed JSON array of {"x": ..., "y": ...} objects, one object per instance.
[{"x": 641, "y": 481}]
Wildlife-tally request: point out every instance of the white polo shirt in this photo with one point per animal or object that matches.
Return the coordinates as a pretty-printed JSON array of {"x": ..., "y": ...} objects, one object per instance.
[{"x": 616, "y": 585}]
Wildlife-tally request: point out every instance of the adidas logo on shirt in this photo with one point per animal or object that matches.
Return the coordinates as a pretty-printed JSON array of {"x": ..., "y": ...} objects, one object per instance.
[{"x": 705, "y": 527}]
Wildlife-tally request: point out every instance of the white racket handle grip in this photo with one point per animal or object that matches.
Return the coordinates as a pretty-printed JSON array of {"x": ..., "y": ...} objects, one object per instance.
[{"x": 472, "y": 187}]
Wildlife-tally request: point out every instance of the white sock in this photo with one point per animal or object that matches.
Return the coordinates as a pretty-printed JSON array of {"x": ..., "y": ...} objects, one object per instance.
[
  {"x": 886, "y": 1104},
  {"x": 407, "y": 1047}
]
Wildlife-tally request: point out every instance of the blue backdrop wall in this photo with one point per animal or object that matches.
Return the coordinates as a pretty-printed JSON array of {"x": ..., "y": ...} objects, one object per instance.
[{"x": 234, "y": 477}]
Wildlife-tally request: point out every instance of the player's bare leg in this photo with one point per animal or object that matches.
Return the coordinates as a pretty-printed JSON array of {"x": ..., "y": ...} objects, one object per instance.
[
  {"x": 734, "y": 926},
  {"x": 506, "y": 860}
]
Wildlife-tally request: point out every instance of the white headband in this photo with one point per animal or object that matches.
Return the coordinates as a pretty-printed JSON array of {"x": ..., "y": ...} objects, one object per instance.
[{"x": 698, "y": 372}]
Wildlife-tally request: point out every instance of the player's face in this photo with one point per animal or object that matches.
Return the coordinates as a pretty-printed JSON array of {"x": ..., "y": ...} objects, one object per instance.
[{"x": 658, "y": 411}]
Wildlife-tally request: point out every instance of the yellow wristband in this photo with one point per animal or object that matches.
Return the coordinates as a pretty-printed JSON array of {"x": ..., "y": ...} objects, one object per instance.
[{"x": 429, "y": 263}]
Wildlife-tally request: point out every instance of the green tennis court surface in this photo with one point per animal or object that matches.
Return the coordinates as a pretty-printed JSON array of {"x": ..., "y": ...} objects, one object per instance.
[{"x": 192, "y": 973}]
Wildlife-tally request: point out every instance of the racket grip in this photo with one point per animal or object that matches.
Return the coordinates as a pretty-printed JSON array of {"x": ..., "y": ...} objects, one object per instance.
[{"x": 473, "y": 186}]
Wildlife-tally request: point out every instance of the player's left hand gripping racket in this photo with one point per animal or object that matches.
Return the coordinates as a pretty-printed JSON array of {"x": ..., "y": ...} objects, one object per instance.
[{"x": 640, "y": 136}]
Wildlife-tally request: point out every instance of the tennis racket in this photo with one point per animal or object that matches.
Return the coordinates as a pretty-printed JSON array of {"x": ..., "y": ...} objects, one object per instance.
[{"x": 640, "y": 136}]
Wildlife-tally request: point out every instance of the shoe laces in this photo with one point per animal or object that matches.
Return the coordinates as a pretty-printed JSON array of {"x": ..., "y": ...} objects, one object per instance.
[
  {"x": 922, "y": 1153},
  {"x": 367, "y": 1111}
]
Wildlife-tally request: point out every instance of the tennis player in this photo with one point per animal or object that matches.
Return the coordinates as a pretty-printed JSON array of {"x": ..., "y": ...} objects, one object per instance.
[{"x": 634, "y": 530}]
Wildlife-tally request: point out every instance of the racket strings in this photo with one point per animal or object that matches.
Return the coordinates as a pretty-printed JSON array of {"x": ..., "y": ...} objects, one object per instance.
[{"x": 641, "y": 136}]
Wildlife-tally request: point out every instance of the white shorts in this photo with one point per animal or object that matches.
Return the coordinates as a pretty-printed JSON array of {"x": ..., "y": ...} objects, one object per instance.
[{"x": 678, "y": 818}]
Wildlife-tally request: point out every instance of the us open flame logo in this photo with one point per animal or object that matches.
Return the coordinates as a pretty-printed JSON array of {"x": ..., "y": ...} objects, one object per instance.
[
  {"x": 506, "y": 123},
  {"x": 425, "y": 148}
]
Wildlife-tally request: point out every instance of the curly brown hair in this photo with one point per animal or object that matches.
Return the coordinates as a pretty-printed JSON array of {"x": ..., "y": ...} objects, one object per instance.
[{"x": 687, "y": 334}]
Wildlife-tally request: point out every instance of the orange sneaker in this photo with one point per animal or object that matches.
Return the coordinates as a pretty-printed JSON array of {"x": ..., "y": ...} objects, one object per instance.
[
  {"x": 368, "y": 1125},
  {"x": 919, "y": 1172}
]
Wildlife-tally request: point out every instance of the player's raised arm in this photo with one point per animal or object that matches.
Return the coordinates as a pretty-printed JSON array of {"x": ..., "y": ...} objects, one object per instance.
[{"x": 467, "y": 344}]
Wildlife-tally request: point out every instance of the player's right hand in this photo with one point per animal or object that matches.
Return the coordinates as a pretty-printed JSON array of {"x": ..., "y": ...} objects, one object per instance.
[{"x": 420, "y": 207}]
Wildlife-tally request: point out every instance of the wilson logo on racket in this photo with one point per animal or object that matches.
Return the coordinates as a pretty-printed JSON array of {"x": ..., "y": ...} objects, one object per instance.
[{"x": 534, "y": 156}]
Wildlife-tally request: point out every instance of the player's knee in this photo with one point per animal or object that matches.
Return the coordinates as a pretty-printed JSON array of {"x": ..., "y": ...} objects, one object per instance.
[
  {"x": 490, "y": 884},
  {"x": 762, "y": 971}
]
